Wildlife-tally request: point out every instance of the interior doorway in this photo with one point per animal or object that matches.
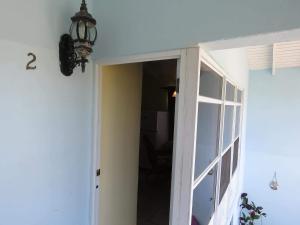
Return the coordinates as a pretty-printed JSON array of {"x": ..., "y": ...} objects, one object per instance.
[
  {"x": 156, "y": 142},
  {"x": 137, "y": 127}
]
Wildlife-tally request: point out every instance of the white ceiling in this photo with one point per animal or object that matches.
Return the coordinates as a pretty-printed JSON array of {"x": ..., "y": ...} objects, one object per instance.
[{"x": 279, "y": 55}]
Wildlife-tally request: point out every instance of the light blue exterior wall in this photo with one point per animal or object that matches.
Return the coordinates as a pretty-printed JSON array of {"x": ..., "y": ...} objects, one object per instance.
[
  {"x": 45, "y": 119},
  {"x": 273, "y": 142},
  {"x": 139, "y": 26}
]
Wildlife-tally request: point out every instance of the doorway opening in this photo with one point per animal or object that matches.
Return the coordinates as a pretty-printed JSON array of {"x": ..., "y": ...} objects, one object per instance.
[
  {"x": 156, "y": 142},
  {"x": 137, "y": 128}
]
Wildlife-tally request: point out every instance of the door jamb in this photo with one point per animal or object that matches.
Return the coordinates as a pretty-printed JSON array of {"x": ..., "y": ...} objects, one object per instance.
[{"x": 95, "y": 156}]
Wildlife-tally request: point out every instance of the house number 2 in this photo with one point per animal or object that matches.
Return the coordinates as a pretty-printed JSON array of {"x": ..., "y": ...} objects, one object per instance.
[{"x": 29, "y": 64}]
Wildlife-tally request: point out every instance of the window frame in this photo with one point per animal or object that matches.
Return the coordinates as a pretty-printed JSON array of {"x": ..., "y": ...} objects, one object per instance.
[{"x": 217, "y": 162}]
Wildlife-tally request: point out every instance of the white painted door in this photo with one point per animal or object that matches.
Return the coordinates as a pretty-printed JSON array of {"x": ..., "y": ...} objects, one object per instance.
[
  {"x": 185, "y": 137},
  {"x": 121, "y": 88},
  {"x": 199, "y": 127}
]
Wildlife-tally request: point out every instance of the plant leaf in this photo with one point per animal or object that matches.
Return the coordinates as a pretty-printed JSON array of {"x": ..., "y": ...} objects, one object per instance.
[{"x": 243, "y": 195}]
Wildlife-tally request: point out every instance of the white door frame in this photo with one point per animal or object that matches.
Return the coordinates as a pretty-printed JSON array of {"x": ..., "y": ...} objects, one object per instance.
[{"x": 177, "y": 175}]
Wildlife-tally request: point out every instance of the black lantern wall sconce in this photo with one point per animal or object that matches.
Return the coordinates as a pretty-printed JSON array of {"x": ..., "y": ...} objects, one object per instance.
[{"x": 75, "y": 47}]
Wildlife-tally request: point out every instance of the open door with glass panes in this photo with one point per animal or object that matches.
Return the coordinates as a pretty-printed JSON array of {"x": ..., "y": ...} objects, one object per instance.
[{"x": 208, "y": 134}]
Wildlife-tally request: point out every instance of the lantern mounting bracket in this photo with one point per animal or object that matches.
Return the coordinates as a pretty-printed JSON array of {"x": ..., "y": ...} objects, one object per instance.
[{"x": 68, "y": 57}]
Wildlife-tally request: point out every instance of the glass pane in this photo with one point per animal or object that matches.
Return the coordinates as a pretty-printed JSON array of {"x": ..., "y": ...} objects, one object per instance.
[
  {"x": 237, "y": 121},
  {"x": 207, "y": 136},
  {"x": 210, "y": 83},
  {"x": 229, "y": 92},
  {"x": 204, "y": 198},
  {"x": 235, "y": 155},
  {"x": 228, "y": 122},
  {"x": 239, "y": 96},
  {"x": 225, "y": 173}
]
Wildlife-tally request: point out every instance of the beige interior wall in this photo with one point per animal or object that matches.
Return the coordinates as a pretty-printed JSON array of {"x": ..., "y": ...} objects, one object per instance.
[{"x": 120, "y": 108}]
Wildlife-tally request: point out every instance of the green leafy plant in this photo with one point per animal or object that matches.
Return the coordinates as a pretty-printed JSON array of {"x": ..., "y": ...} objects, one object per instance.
[{"x": 250, "y": 212}]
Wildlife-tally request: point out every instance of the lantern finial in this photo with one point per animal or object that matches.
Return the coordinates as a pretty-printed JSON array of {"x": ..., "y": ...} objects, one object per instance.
[{"x": 83, "y": 5}]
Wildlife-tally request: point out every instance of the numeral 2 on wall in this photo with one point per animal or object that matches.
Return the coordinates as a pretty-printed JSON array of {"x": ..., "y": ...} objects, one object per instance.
[{"x": 29, "y": 66}]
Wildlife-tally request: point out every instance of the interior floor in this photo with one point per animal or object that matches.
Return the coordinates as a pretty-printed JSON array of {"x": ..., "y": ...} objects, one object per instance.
[{"x": 154, "y": 200}]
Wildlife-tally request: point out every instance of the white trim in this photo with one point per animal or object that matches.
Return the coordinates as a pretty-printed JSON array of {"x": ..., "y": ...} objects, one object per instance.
[
  {"x": 96, "y": 144},
  {"x": 233, "y": 172},
  {"x": 157, "y": 56},
  {"x": 230, "y": 81},
  {"x": 209, "y": 100},
  {"x": 241, "y": 129},
  {"x": 186, "y": 137},
  {"x": 175, "y": 207},
  {"x": 226, "y": 150},
  {"x": 232, "y": 103},
  {"x": 93, "y": 193},
  {"x": 176, "y": 174},
  {"x": 205, "y": 172},
  {"x": 232, "y": 140},
  {"x": 221, "y": 134},
  {"x": 208, "y": 60},
  {"x": 237, "y": 137}
]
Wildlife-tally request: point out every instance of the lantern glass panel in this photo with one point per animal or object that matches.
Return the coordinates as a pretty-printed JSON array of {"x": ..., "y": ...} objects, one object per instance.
[
  {"x": 92, "y": 34},
  {"x": 73, "y": 31},
  {"x": 81, "y": 30}
]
